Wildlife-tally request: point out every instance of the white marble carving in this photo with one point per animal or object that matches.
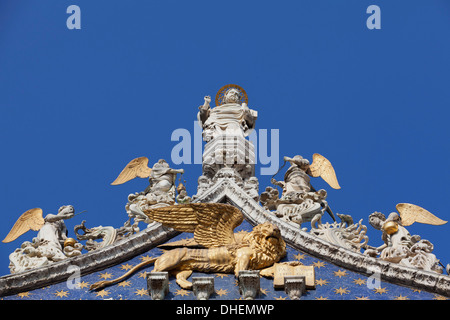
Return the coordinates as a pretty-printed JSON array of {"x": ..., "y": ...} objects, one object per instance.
[
  {"x": 400, "y": 246},
  {"x": 47, "y": 247}
]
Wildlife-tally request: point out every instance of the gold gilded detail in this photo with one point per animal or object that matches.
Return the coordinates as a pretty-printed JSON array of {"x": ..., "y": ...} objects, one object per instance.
[
  {"x": 215, "y": 248},
  {"x": 222, "y": 91},
  {"x": 135, "y": 168},
  {"x": 390, "y": 227},
  {"x": 321, "y": 167},
  {"x": 411, "y": 213},
  {"x": 29, "y": 220},
  {"x": 69, "y": 242}
]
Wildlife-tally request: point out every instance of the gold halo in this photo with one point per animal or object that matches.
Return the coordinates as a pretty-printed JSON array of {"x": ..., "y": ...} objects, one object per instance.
[{"x": 221, "y": 94}]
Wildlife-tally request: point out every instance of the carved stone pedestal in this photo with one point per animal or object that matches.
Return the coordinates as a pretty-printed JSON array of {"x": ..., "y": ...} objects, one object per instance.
[
  {"x": 229, "y": 151},
  {"x": 203, "y": 287},
  {"x": 158, "y": 285},
  {"x": 249, "y": 284},
  {"x": 294, "y": 286}
]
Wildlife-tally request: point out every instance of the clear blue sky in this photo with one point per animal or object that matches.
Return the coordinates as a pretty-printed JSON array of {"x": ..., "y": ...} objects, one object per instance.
[{"x": 77, "y": 105}]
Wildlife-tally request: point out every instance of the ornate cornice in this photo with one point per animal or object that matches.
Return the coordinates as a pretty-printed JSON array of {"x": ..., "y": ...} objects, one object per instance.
[
  {"x": 87, "y": 263},
  {"x": 225, "y": 190},
  {"x": 228, "y": 191}
]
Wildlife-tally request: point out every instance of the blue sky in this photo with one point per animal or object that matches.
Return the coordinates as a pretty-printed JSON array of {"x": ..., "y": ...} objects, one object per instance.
[{"x": 77, "y": 105}]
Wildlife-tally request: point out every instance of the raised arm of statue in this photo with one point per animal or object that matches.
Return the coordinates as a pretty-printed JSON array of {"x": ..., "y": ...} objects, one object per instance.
[
  {"x": 65, "y": 212},
  {"x": 175, "y": 171},
  {"x": 204, "y": 110}
]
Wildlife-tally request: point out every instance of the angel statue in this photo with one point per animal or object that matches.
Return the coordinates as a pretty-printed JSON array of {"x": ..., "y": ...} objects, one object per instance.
[
  {"x": 161, "y": 189},
  {"x": 231, "y": 116},
  {"x": 214, "y": 247},
  {"x": 297, "y": 177},
  {"x": 399, "y": 246},
  {"x": 299, "y": 201},
  {"x": 49, "y": 244}
]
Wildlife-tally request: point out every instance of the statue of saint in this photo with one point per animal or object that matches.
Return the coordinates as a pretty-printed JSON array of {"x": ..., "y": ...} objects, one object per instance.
[{"x": 231, "y": 116}]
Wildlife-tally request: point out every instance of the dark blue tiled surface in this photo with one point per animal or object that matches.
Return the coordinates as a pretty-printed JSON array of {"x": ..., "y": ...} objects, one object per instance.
[{"x": 332, "y": 283}]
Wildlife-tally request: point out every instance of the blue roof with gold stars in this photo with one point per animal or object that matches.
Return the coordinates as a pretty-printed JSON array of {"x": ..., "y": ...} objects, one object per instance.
[{"x": 332, "y": 283}]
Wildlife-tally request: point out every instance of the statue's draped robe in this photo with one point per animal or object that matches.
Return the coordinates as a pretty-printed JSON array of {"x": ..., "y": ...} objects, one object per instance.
[
  {"x": 296, "y": 180},
  {"x": 163, "y": 179},
  {"x": 229, "y": 118}
]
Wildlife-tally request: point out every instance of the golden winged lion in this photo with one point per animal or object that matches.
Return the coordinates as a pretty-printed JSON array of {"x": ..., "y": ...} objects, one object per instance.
[{"x": 215, "y": 248}]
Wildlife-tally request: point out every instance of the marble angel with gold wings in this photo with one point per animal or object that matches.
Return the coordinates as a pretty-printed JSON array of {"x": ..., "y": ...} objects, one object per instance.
[
  {"x": 47, "y": 246},
  {"x": 161, "y": 176},
  {"x": 299, "y": 201},
  {"x": 399, "y": 246},
  {"x": 297, "y": 177},
  {"x": 214, "y": 247},
  {"x": 160, "y": 192}
]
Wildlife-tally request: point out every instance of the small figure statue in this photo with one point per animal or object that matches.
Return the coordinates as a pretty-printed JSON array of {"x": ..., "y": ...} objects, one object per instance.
[
  {"x": 215, "y": 248},
  {"x": 182, "y": 197},
  {"x": 399, "y": 246},
  {"x": 231, "y": 116},
  {"x": 47, "y": 246}
]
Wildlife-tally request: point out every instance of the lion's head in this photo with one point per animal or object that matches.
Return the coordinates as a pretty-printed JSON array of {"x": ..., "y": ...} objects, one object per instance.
[{"x": 268, "y": 244}]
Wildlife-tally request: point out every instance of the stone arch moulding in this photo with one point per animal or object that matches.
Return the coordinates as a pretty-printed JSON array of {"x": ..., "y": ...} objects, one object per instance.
[{"x": 225, "y": 190}]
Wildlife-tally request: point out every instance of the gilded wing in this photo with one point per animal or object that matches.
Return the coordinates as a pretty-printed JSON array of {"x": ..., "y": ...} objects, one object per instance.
[
  {"x": 29, "y": 220},
  {"x": 211, "y": 223},
  {"x": 321, "y": 167},
  {"x": 410, "y": 213},
  {"x": 135, "y": 168}
]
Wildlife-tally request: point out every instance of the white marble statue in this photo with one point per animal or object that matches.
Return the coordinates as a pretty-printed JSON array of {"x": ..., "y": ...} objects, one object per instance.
[
  {"x": 160, "y": 192},
  {"x": 399, "y": 245},
  {"x": 299, "y": 201},
  {"x": 47, "y": 246},
  {"x": 229, "y": 118}
]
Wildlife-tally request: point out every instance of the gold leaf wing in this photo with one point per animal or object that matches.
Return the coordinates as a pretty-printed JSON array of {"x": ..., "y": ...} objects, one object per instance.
[
  {"x": 29, "y": 220},
  {"x": 321, "y": 167},
  {"x": 211, "y": 223},
  {"x": 410, "y": 213},
  {"x": 135, "y": 168}
]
